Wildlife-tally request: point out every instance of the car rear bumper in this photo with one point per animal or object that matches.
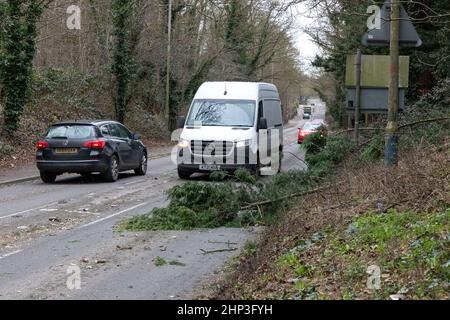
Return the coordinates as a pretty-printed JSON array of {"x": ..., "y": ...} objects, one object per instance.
[{"x": 72, "y": 166}]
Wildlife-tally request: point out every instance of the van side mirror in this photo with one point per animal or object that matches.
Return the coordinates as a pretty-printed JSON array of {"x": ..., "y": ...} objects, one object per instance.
[
  {"x": 136, "y": 136},
  {"x": 181, "y": 122},
  {"x": 263, "y": 124}
]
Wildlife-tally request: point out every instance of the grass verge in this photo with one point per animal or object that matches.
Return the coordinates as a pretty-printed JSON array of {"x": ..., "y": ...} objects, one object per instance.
[
  {"x": 323, "y": 247},
  {"x": 411, "y": 251}
]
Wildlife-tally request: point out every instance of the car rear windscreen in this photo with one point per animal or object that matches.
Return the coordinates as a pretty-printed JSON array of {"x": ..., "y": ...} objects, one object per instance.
[{"x": 71, "y": 132}]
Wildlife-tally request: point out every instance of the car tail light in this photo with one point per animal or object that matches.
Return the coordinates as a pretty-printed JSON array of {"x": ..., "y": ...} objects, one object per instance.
[
  {"x": 41, "y": 145},
  {"x": 95, "y": 144}
]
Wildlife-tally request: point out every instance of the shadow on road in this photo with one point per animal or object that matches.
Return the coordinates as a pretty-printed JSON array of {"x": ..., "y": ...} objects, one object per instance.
[{"x": 91, "y": 179}]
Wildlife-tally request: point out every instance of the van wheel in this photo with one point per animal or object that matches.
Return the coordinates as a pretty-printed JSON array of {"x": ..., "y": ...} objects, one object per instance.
[
  {"x": 255, "y": 169},
  {"x": 142, "y": 170},
  {"x": 48, "y": 177},
  {"x": 184, "y": 174},
  {"x": 280, "y": 163},
  {"x": 112, "y": 174},
  {"x": 280, "y": 160}
]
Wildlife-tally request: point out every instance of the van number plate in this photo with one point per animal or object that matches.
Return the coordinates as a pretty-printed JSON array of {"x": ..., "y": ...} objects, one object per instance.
[
  {"x": 66, "y": 150},
  {"x": 209, "y": 167}
]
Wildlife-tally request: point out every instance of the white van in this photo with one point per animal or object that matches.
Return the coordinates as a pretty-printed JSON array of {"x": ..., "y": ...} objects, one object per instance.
[{"x": 232, "y": 125}]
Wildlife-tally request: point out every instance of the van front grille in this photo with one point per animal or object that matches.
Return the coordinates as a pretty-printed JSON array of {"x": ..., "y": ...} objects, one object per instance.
[{"x": 213, "y": 148}]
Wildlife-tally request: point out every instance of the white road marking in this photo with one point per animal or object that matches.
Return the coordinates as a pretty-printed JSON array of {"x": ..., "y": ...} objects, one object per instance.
[
  {"x": 134, "y": 182},
  {"x": 113, "y": 215},
  {"x": 10, "y": 254},
  {"x": 28, "y": 210}
]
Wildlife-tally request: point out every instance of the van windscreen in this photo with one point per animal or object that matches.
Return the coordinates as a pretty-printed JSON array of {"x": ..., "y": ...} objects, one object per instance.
[{"x": 228, "y": 113}]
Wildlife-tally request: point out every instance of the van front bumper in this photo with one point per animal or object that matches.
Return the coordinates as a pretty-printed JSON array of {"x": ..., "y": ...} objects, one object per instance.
[{"x": 231, "y": 162}]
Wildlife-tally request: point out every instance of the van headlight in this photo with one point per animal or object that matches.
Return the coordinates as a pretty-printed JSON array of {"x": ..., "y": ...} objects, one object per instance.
[
  {"x": 243, "y": 143},
  {"x": 183, "y": 144}
]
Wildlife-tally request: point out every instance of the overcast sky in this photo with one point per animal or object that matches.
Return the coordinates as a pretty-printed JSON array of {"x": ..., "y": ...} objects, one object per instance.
[{"x": 308, "y": 49}]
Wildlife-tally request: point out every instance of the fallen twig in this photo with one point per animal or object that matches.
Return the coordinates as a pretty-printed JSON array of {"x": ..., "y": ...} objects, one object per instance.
[
  {"x": 217, "y": 251},
  {"x": 228, "y": 243},
  {"x": 351, "y": 130}
]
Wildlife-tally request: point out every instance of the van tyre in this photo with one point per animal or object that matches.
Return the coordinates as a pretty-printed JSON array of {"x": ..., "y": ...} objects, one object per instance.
[
  {"x": 280, "y": 163},
  {"x": 112, "y": 174},
  {"x": 256, "y": 167},
  {"x": 142, "y": 169},
  {"x": 184, "y": 174},
  {"x": 48, "y": 177}
]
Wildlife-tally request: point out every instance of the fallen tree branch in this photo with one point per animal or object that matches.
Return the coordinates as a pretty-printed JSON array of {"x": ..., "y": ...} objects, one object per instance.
[
  {"x": 351, "y": 130},
  {"x": 304, "y": 193},
  {"x": 294, "y": 155},
  {"x": 399, "y": 128},
  {"x": 258, "y": 204},
  {"x": 423, "y": 121}
]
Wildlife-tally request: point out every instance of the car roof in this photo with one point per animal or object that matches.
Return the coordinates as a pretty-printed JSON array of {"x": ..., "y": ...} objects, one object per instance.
[{"x": 85, "y": 122}]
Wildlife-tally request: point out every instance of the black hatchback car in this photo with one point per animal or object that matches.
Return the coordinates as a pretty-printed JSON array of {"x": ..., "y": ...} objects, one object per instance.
[{"x": 86, "y": 147}]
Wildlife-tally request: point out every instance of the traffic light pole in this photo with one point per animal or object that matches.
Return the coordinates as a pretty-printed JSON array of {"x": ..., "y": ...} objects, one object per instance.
[{"x": 391, "y": 147}]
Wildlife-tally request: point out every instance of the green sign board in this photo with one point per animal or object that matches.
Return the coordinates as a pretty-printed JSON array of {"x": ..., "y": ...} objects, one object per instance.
[{"x": 375, "y": 72}]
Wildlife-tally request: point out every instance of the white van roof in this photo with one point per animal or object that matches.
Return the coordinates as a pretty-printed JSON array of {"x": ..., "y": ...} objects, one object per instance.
[{"x": 237, "y": 91}]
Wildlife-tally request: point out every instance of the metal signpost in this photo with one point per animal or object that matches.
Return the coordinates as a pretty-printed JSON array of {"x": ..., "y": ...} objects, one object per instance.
[{"x": 392, "y": 26}]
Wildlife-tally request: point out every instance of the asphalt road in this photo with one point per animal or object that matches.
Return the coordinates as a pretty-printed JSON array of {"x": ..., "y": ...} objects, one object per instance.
[{"x": 48, "y": 231}]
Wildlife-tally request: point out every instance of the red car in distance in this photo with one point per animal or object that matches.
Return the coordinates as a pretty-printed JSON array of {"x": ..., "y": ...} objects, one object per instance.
[{"x": 307, "y": 129}]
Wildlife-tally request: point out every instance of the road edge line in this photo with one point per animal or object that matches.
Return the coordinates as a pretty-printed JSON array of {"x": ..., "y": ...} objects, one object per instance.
[{"x": 19, "y": 180}]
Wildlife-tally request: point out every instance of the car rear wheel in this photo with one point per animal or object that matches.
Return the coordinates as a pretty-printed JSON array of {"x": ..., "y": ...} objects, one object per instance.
[
  {"x": 142, "y": 170},
  {"x": 184, "y": 174},
  {"x": 112, "y": 174},
  {"x": 87, "y": 177},
  {"x": 48, "y": 177}
]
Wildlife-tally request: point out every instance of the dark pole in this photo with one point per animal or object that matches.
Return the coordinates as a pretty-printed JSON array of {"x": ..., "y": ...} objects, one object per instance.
[
  {"x": 391, "y": 147},
  {"x": 358, "y": 94},
  {"x": 168, "y": 61}
]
